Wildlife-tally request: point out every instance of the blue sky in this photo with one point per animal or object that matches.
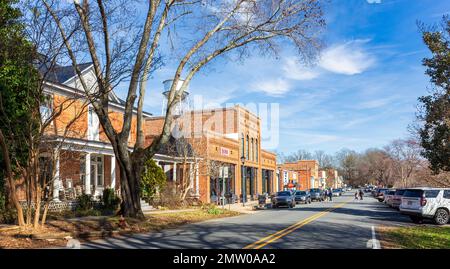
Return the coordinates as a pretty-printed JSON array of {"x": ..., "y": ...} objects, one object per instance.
[{"x": 362, "y": 93}]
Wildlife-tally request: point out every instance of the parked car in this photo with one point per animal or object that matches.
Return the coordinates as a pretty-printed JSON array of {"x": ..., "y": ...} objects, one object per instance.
[
  {"x": 336, "y": 192},
  {"x": 432, "y": 203},
  {"x": 283, "y": 198},
  {"x": 397, "y": 199},
  {"x": 380, "y": 194},
  {"x": 317, "y": 194},
  {"x": 388, "y": 196},
  {"x": 302, "y": 197}
]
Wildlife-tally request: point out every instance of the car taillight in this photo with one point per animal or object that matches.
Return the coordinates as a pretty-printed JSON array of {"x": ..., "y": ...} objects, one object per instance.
[{"x": 423, "y": 201}]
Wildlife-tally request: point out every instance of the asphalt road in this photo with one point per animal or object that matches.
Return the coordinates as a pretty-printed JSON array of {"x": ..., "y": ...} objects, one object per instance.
[{"x": 344, "y": 223}]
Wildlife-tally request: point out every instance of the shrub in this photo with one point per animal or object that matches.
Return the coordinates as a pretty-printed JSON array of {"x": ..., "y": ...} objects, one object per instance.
[
  {"x": 153, "y": 180},
  {"x": 85, "y": 202},
  {"x": 110, "y": 200},
  {"x": 212, "y": 209},
  {"x": 88, "y": 212}
]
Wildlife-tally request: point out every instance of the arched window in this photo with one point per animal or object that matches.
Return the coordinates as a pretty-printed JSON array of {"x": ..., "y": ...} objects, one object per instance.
[
  {"x": 252, "y": 151},
  {"x": 242, "y": 146},
  {"x": 256, "y": 149},
  {"x": 247, "y": 156}
]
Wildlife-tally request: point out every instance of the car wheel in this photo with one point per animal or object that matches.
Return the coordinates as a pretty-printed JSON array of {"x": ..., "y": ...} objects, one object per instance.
[
  {"x": 416, "y": 219},
  {"x": 441, "y": 217}
]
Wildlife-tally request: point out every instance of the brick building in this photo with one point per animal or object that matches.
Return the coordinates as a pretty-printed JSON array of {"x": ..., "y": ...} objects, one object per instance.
[
  {"x": 85, "y": 161},
  {"x": 221, "y": 139},
  {"x": 78, "y": 156},
  {"x": 333, "y": 180},
  {"x": 307, "y": 170}
]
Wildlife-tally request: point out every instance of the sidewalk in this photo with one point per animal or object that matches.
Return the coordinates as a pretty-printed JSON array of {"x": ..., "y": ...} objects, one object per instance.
[
  {"x": 158, "y": 211},
  {"x": 248, "y": 209}
]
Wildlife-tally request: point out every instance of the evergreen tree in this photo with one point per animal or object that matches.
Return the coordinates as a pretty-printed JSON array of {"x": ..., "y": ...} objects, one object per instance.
[{"x": 435, "y": 112}]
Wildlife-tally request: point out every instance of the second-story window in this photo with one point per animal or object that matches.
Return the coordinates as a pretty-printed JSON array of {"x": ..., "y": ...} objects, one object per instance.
[
  {"x": 256, "y": 149},
  {"x": 247, "y": 156},
  {"x": 252, "y": 151},
  {"x": 46, "y": 108},
  {"x": 242, "y": 146},
  {"x": 93, "y": 125}
]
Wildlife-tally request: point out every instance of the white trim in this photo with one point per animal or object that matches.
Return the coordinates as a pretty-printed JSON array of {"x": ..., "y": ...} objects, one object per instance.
[
  {"x": 82, "y": 73},
  {"x": 56, "y": 180},
  {"x": 66, "y": 89},
  {"x": 87, "y": 173},
  {"x": 113, "y": 172}
]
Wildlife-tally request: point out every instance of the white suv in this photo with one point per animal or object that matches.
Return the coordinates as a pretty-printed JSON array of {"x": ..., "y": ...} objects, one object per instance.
[{"x": 433, "y": 203}]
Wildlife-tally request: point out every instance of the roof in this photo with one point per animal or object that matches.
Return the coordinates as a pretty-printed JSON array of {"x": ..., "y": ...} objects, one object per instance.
[
  {"x": 177, "y": 147},
  {"x": 61, "y": 74}
]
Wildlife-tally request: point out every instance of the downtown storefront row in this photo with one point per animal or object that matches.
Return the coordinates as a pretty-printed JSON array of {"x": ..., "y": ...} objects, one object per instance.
[{"x": 233, "y": 166}]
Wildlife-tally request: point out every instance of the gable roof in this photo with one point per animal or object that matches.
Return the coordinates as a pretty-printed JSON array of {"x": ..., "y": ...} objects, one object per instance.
[{"x": 62, "y": 74}]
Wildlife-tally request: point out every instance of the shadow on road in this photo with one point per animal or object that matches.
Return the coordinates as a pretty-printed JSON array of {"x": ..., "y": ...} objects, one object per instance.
[{"x": 345, "y": 227}]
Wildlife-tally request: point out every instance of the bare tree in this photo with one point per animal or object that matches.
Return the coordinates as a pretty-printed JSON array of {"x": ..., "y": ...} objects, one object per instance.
[
  {"x": 114, "y": 39},
  {"x": 406, "y": 157},
  {"x": 325, "y": 160},
  {"x": 347, "y": 162},
  {"x": 301, "y": 154}
]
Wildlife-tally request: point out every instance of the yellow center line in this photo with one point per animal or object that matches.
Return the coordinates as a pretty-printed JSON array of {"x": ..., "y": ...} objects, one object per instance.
[{"x": 275, "y": 236}]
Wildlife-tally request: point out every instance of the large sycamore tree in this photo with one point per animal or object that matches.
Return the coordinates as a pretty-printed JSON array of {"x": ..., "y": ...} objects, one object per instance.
[
  {"x": 435, "y": 108},
  {"x": 127, "y": 40}
]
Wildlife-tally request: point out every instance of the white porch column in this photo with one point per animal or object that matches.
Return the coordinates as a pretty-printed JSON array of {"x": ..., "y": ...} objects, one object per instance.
[
  {"x": 166, "y": 168},
  {"x": 174, "y": 172},
  {"x": 57, "y": 180},
  {"x": 191, "y": 175},
  {"x": 113, "y": 172},
  {"x": 87, "y": 183},
  {"x": 197, "y": 190}
]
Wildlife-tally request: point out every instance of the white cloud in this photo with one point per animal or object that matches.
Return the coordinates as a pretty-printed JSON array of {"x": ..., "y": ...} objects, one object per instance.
[
  {"x": 277, "y": 87},
  {"x": 376, "y": 103},
  {"x": 349, "y": 58},
  {"x": 294, "y": 70}
]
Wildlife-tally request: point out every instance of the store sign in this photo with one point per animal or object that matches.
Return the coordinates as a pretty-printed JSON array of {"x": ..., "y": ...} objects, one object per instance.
[{"x": 224, "y": 152}]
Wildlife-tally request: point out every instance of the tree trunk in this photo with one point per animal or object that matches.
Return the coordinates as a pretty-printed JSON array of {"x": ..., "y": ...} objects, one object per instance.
[
  {"x": 130, "y": 173},
  {"x": 37, "y": 211},
  {"x": 44, "y": 214},
  {"x": 11, "y": 183}
]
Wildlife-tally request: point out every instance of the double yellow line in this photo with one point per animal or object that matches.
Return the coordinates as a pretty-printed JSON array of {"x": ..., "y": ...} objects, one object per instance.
[{"x": 273, "y": 237}]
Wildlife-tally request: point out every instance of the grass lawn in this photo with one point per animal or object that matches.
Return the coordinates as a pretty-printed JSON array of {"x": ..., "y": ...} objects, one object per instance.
[
  {"x": 417, "y": 237},
  {"x": 78, "y": 228}
]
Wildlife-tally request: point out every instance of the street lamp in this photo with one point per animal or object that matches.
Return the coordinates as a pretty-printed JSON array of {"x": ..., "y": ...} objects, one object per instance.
[{"x": 243, "y": 181}]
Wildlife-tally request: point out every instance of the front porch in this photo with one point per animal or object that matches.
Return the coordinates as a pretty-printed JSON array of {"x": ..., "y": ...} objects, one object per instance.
[{"x": 83, "y": 167}]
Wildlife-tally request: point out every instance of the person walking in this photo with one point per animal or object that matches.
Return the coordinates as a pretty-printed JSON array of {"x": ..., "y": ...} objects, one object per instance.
[
  {"x": 356, "y": 195},
  {"x": 361, "y": 194},
  {"x": 330, "y": 194}
]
